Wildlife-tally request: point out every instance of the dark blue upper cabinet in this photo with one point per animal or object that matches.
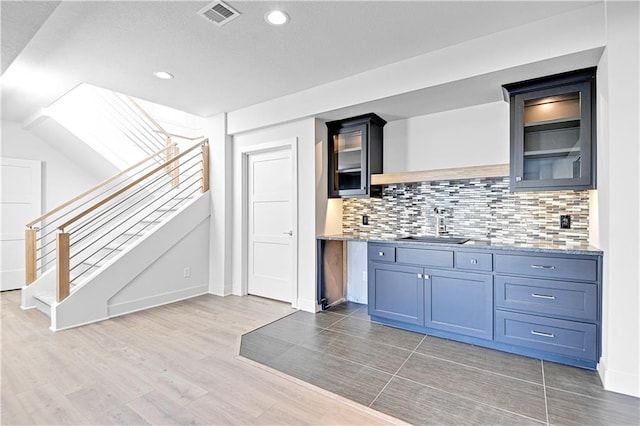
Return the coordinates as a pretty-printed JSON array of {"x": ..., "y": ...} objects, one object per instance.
[
  {"x": 553, "y": 132},
  {"x": 355, "y": 152}
]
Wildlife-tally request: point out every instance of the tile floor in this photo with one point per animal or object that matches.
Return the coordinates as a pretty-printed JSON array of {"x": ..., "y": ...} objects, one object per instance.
[{"x": 427, "y": 380}]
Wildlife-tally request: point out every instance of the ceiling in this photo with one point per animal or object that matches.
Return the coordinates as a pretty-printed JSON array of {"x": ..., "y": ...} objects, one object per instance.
[{"x": 53, "y": 46}]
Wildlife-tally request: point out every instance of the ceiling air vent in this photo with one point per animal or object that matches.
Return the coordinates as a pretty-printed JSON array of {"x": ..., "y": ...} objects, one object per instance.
[{"x": 219, "y": 13}]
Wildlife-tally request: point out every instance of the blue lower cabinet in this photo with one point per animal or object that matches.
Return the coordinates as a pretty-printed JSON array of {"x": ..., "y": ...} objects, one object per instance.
[
  {"x": 544, "y": 305},
  {"x": 396, "y": 292},
  {"x": 570, "y": 338},
  {"x": 459, "y": 302}
]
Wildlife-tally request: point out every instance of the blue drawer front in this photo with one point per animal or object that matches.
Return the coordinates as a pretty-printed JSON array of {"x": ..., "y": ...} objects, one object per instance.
[
  {"x": 547, "y": 267},
  {"x": 563, "y": 337},
  {"x": 379, "y": 253},
  {"x": 435, "y": 258},
  {"x": 567, "y": 299},
  {"x": 474, "y": 261}
]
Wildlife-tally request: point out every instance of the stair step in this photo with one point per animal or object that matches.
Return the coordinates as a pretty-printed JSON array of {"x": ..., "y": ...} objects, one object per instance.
[
  {"x": 45, "y": 299},
  {"x": 43, "y": 302}
]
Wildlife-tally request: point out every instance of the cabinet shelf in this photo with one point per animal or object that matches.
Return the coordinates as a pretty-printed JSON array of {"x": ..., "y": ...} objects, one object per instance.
[
  {"x": 457, "y": 173},
  {"x": 346, "y": 150},
  {"x": 350, "y": 170},
  {"x": 544, "y": 153},
  {"x": 559, "y": 123}
]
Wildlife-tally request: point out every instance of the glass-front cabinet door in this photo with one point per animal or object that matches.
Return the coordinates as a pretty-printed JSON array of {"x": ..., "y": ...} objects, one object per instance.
[
  {"x": 355, "y": 152},
  {"x": 349, "y": 154},
  {"x": 553, "y": 134}
]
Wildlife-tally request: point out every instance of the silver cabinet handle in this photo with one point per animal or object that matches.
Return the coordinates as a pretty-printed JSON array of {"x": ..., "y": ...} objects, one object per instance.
[
  {"x": 419, "y": 275},
  {"x": 474, "y": 261},
  {"x": 380, "y": 253},
  {"x": 543, "y": 267},
  {"x": 518, "y": 178},
  {"x": 290, "y": 233},
  {"x": 543, "y": 296},
  {"x": 427, "y": 277},
  {"x": 540, "y": 333}
]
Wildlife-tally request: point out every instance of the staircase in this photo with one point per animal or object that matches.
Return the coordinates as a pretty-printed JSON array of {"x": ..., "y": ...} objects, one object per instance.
[{"x": 85, "y": 258}]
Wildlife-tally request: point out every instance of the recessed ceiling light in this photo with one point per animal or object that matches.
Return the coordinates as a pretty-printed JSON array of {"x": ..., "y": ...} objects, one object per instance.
[
  {"x": 276, "y": 17},
  {"x": 163, "y": 75}
]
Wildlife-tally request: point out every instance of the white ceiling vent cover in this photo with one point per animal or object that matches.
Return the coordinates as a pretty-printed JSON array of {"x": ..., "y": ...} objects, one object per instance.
[{"x": 218, "y": 13}]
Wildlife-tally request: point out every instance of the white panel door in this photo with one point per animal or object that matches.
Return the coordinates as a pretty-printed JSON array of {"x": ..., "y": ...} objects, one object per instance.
[
  {"x": 20, "y": 202},
  {"x": 270, "y": 230}
]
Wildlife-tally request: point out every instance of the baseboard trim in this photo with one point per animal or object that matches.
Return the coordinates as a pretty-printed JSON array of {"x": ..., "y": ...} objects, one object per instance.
[
  {"x": 308, "y": 305},
  {"x": 619, "y": 381},
  {"x": 156, "y": 300}
]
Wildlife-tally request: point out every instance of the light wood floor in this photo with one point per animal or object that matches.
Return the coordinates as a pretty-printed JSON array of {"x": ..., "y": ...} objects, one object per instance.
[{"x": 175, "y": 364}]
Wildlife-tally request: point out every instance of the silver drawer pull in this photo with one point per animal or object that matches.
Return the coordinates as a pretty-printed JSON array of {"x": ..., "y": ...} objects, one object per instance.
[
  {"x": 543, "y": 296},
  {"x": 380, "y": 253},
  {"x": 419, "y": 275},
  {"x": 541, "y": 334},
  {"x": 474, "y": 261},
  {"x": 543, "y": 267}
]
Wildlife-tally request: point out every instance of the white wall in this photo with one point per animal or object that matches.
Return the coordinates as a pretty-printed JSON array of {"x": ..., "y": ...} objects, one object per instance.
[
  {"x": 62, "y": 179},
  {"x": 618, "y": 190},
  {"x": 220, "y": 186},
  {"x": 472, "y": 136},
  {"x": 305, "y": 133},
  {"x": 164, "y": 280}
]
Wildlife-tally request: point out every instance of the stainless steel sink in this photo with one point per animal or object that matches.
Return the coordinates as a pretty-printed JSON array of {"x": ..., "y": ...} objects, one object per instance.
[{"x": 429, "y": 239}]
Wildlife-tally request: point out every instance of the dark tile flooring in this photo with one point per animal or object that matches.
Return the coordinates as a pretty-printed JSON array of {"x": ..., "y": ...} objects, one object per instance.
[{"x": 427, "y": 380}]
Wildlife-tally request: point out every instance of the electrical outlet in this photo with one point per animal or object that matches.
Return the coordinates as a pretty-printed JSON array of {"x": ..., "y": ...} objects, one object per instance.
[
  {"x": 187, "y": 272},
  {"x": 565, "y": 221},
  {"x": 365, "y": 219}
]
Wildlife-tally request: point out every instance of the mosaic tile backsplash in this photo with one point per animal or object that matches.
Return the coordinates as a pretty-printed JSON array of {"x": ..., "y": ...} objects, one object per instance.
[{"x": 480, "y": 209}]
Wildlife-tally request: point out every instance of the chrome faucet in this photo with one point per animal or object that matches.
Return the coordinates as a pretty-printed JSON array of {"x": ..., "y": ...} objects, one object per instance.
[{"x": 441, "y": 227}]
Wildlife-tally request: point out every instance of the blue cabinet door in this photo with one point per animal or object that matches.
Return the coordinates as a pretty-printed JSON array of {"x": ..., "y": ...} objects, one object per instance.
[
  {"x": 459, "y": 302},
  {"x": 396, "y": 292}
]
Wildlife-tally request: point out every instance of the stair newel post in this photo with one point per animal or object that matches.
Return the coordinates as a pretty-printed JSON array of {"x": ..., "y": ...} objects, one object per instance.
[
  {"x": 62, "y": 266},
  {"x": 30, "y": 252},
  {"x": 205, "y": 167},
  {"x": 175, "y": 166}
]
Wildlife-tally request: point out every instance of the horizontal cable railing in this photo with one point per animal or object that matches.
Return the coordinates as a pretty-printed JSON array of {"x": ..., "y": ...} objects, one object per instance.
[
  {"x": 95, "y": 226},
  {"x": 40, "y": 234},
  {"x": 126, "y": 117}
]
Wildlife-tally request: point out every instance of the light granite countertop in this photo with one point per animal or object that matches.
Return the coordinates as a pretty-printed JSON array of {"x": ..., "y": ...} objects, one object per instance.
[{"x": 543, "y": 247}]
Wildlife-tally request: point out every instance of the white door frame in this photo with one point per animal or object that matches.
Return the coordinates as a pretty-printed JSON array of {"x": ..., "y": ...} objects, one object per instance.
[{"x": 245, "y": 152}]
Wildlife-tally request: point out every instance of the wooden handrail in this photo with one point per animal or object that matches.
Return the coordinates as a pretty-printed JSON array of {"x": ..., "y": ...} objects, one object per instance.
[
  {"x": 175, "y": 135},
  {"x": 147, "y": 116},
  {"x": 131, "y": 185},
  {"x": 98, "y": 186}
]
